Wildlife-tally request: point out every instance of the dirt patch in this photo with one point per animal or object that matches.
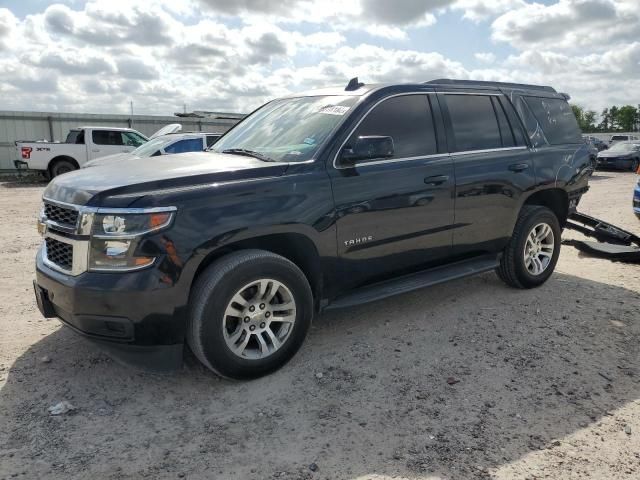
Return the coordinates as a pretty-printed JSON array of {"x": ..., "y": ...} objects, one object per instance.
[{"x": 465, "y": 380}]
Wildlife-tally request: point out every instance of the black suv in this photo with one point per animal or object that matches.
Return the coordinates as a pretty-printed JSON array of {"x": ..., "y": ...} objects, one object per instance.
[{"x": 319, "y": 200}]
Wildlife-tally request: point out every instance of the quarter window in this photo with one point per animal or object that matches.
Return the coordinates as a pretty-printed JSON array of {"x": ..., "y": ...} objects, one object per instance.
[
  {"x": 556, "y": 119},
  {"x": 408, "y": 120},
  {"x": 474, "y": 122}
]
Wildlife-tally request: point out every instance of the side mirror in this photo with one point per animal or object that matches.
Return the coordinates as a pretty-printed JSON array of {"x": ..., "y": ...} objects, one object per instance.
[{"x": 368, "y": 148}]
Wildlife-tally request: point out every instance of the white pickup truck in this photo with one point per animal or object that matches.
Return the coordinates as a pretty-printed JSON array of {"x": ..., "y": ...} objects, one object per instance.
[{"x": 82, "y": 144}]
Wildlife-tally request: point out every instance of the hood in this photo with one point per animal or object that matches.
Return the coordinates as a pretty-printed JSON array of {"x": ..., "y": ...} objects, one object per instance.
[
  {"x": 610, "y": 154},
  {"x": 116, "y": 157},
  {"x": 88, "y": 185}
]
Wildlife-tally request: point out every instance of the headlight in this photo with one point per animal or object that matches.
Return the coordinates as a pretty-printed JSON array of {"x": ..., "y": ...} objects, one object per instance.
[{"x": 115, "y": 236}]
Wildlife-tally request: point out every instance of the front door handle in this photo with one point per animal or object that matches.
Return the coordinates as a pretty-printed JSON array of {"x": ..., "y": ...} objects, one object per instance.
[
  {"x": 518, "y": 167},
  {"x": 95, "y": 150},
  {"x": 436, "y": 179}
]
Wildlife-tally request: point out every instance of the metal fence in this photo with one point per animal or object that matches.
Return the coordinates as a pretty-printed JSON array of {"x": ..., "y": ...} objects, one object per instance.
[{"x": 55, "y": 126}]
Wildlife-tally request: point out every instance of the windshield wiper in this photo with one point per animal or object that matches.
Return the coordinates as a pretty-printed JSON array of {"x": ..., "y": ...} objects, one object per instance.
[{"x": 249, "y": 153}]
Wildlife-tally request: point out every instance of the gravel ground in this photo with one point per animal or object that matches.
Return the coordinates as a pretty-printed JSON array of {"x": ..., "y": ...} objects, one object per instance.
[{"x": 465, "y": 380}]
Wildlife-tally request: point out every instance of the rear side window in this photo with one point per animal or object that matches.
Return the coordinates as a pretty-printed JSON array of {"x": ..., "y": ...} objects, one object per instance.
[
  {"x": 106, "y": 137},
  {"x": 188, "y": 145},
  {"x": 75, "y": 136},
  {"x": 406, "y": 119},
  {"x": 556, "y": 120},
  {"x": 474, "y": 122}
]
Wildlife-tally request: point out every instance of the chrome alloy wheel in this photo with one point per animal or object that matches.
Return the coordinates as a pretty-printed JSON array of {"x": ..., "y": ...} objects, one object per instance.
[
  {"x": 259, "y": 319},
  {"x": 539, "y": 248}
]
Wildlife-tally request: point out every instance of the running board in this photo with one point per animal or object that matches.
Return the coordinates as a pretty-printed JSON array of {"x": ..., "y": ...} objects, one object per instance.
[{"x": 418, "y": 280}]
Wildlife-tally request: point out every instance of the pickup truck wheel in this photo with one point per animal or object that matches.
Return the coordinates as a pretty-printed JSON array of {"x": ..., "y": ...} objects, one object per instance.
[
  {"x": 534, "y": 248},
  {"x": 250, "y": 312},
  {"x": 62, "y": 166}
]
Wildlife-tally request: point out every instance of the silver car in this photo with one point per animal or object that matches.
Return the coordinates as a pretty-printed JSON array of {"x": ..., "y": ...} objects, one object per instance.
[{"x": 162, "y": 145}]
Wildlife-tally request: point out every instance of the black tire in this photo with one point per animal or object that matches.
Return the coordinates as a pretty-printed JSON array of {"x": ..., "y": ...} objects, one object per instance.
[
  {"x": 635, "y": 163},
  {"x": 62, "y": 166},
  {"x": 512, "y": 269},
  {"x": 213, "y": 291}
]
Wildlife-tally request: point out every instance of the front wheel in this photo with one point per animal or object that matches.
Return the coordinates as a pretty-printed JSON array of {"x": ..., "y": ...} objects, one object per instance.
[
  {"x": 532, "y": 253},
  {"x": 250, "y": 313}
]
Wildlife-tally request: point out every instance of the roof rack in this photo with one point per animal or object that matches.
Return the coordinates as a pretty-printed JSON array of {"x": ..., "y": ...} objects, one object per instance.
[{"x": 524, "y": 86}]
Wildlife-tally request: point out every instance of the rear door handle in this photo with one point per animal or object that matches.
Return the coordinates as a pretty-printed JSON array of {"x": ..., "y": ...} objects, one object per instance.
[
  {"x": 436, "y": 179},
  {"x": 518, "y": 167}
]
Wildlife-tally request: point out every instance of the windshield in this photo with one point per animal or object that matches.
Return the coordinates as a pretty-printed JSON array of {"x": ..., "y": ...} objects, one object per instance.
[
  {"x": 624, "y": 147},
  {"x": 619, "y": 137},
  {"x": 152, "y": 146},
  {"x": 288, "y": 130}
]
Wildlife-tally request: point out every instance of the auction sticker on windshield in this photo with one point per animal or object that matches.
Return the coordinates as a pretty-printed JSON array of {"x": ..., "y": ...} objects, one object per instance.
[{"x": 334, "y": 109}]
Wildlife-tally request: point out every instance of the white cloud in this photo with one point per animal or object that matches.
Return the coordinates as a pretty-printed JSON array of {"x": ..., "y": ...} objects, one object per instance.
[
  {"x": 218, "y": 54},
  {"x": 478, "y": 10},
  {"x": 570, "y": 24},
  {"x": 485, "y": 57}
]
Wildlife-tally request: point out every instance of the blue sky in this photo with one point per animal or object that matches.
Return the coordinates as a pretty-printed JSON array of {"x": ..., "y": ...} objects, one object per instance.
[{"x": 98, "y": 55}]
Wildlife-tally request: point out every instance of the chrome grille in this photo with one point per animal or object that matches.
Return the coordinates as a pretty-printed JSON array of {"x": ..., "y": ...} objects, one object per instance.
[
  {"x": 59, "y": 253},
  {"x": 67, "y": 217}
]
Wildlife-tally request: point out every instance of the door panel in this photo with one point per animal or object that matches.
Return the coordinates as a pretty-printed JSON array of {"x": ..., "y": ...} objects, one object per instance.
[
  {"x": 390, "y": 219},
  {"x": 489, "y": 187},
  {"x": 395, "y": 214},
  {"x": 493, "y": 169}
]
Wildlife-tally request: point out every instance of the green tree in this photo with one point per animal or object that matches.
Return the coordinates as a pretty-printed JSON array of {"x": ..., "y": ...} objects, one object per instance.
[
  {"x": 627, "y": 118},
  {"x": 586, "y": 118}
]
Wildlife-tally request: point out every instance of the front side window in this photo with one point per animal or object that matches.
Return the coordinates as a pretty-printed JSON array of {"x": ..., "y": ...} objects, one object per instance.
[
  {"x": 474, "y": 122},
  {"x": 556, "y": 119},
  {"x": 407, "y": 120},
  {"x": 106, "y": 137},
  {"x": 187, "y": 145},
  {"x": 287, "y": 130},
  {"x": 132, "y": 139}
]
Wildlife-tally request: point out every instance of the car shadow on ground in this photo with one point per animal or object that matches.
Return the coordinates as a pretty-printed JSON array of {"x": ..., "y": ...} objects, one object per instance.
[
  {"x": 457, "y": 380},
  {"x": 23, "y": 182}
]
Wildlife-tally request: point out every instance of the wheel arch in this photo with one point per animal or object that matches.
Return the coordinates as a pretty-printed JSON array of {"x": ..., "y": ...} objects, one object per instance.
[
  {"x": 555, "y": 199},
  {"x": 296, "y": 247},
  {"x": 60, "y": 158}
]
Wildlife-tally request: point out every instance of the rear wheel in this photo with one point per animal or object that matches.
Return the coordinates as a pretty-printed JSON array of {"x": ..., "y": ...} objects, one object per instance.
[
  {"x": 62, "y": 166},
  {"x": 534, "y": 248},
  {"x": 250, "y": 313}
]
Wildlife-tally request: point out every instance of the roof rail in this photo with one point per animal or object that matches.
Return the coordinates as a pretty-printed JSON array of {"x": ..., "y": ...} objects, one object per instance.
[{"x": 470, "y": 83}]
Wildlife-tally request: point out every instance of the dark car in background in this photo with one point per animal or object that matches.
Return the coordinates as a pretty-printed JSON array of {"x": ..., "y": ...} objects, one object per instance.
[
  {"x": 597, "y": 143},
  {"x": 621, "y": 156}
]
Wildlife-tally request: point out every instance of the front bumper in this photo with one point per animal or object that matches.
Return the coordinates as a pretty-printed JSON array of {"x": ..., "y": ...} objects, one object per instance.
[
  {"x": 614, "y": 162},
  {"x": 140, "y": 318}
]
